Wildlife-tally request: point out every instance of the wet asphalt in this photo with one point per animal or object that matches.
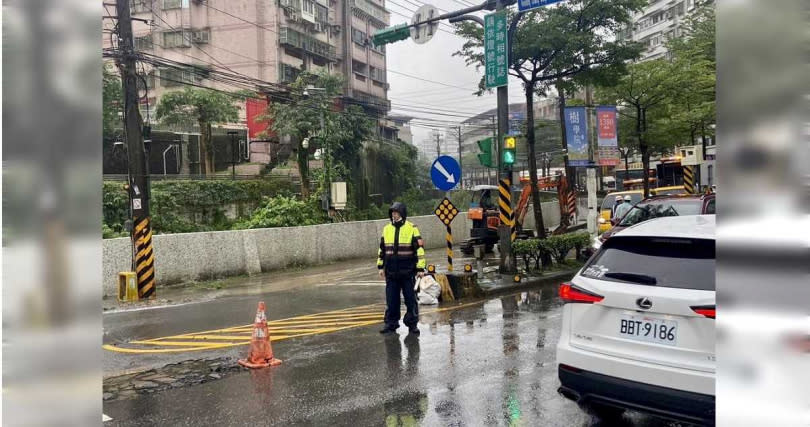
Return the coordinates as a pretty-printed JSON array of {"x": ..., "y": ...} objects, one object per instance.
[{"x": 488, "y": 364}]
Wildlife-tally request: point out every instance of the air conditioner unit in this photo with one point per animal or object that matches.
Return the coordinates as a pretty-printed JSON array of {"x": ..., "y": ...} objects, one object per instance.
[
  {"x": 201, "y": 36},
  {"x": 319, "y": 27},
  {"x": 294, "y": 17}
]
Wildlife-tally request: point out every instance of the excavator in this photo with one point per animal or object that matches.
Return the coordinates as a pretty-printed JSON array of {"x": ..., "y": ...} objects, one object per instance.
[{"x": 485, "y": 214}]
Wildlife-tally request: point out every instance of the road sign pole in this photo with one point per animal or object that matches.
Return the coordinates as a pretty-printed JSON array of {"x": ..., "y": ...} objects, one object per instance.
[{"x": 449, "y": 238}]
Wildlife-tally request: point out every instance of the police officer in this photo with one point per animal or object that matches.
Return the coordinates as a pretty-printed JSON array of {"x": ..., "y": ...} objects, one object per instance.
[{"x": 400, "y": 258}]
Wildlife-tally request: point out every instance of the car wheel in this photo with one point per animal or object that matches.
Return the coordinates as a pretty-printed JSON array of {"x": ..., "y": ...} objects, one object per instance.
[{"x": 603, "y": 412}]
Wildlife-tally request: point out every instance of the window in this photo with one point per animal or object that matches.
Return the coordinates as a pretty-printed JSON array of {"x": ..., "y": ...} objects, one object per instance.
[
  {"x": 201, "y": 36},
  {"x": 143, "y": 43},
  {"x": 710, "y": 208},
  {"x": 710, "y": 173},
  {"x": 309, "y": 7},
  {"x": 175, "y": 39},
  {"x": 359, "y": 37},
  {"x": 670, "y": 262},
  {"x": 172, "y": 77},
  {"x": 141, "y": 6},
  {"x": 172, "y": 4},
  {"x": 360, "y": 77}
]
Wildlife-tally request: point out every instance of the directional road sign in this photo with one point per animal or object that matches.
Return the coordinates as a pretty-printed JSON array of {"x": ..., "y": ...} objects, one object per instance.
[
  {"x": 445, "y": 173},
  {"x": 532, "y": 4}
]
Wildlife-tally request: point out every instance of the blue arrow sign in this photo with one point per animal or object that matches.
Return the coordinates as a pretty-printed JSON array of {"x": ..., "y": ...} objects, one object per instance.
[
  {"x": 445, "y": 173},
  {"x": 524, "y": 5}
]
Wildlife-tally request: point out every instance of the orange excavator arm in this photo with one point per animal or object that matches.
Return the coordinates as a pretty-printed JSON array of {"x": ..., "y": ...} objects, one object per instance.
[{"x": 523, "y": 204}]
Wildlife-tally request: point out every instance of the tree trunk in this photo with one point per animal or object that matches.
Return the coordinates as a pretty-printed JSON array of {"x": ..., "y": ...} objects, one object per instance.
[
  {"x": 303, "y": 170},
  {"x": 210, "y": 150},
  {"x": 204, "y": 138},
  {"x": 538, "y": 211}
]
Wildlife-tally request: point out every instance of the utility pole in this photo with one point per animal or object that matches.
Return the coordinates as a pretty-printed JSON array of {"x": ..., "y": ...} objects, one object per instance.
[
  {"x": 459, "y": 157},
  {"x": 591, "y": 182},
  {"x": 507, "y": 262},
  {"x": 438, "y": 145},
  {"x": 138, "y": 185}
]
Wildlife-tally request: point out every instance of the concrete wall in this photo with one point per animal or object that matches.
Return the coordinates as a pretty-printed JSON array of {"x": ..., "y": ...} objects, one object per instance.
[{"x": 203, "y": 256}]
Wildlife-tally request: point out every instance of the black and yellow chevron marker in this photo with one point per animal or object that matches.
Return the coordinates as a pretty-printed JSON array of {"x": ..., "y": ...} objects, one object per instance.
[
  {"x": 144, "y": 258},
  {"x": 689, "y": 179},
  {"x": 505, "y": 201},
  {"x": 449, "y": 237}
]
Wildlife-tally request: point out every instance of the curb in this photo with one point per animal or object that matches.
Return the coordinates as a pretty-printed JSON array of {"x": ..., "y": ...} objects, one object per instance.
[{"x": 530, "y": 282}]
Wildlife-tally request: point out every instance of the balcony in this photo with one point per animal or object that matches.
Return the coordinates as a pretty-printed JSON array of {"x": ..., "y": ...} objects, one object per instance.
[
  {"x": 291, "y": 38},
  {"x": 372, "y": 101},
  {"x": 372, "y": 10}
]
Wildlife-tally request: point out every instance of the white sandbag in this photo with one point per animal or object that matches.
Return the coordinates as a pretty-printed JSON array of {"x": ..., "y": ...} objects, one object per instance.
[{"x": 429, "y": 290}]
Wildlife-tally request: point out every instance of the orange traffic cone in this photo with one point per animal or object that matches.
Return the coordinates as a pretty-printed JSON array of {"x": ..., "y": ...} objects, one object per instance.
[{"x": 261, "y": 352}]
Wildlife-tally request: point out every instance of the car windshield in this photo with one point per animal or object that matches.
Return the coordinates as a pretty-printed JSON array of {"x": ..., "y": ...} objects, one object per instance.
[{"x": 655, "y": 209}]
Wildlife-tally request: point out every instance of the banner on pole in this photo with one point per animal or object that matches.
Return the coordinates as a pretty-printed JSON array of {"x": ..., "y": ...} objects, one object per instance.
[
  {"x": 607, "y": 136},
  {"x": 576, "y": 134}
]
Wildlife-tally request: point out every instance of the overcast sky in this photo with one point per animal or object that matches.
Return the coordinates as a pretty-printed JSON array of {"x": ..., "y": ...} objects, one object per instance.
[{"x": 434, "y": 61}]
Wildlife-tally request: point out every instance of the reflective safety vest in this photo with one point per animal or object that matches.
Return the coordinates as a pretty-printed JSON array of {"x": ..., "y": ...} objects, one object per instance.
[{"x": 402, "y": 250}]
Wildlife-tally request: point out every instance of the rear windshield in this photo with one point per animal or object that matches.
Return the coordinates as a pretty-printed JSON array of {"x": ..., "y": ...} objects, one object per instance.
[
  {"x": 646, "y": 211},
  {"x": 666, "y": 262}
]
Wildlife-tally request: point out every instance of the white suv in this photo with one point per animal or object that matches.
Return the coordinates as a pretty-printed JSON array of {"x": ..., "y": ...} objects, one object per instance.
[{"x": 638, "y": 328}]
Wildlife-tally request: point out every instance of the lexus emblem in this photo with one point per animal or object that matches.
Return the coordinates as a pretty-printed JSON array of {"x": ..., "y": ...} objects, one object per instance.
[{"x": 644, "y": 303}]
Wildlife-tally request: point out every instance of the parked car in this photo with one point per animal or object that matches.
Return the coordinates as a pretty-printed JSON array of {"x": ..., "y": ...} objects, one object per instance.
[
  {"x": 606, "y": 211},
  {"x": 658, "y": 206},
  {"x": 638, "y": 328}
]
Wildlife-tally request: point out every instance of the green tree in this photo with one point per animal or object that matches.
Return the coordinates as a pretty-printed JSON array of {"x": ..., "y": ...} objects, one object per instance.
[
  {"x": 554, "y": 44},
  {"x": 693, "y": 56},
  {"x": 112, "y": 102},
  {"x": 203, "y": 107},
  {"x": 644, "y": 94},
  {"x": 312, "y": 115}
]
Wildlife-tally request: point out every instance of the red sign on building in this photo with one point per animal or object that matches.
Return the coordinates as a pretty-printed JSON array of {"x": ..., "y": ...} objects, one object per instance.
[{"x": 255, "y": 108}]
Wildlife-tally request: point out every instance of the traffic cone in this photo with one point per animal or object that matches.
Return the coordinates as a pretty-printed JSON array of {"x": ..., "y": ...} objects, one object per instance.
[{"x": 261, "y": 352}]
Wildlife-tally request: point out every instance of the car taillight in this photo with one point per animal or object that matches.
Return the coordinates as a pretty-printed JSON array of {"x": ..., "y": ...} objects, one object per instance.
[
  {"x": 705, "y": 310},
  {"x": 571, "y": 293}
]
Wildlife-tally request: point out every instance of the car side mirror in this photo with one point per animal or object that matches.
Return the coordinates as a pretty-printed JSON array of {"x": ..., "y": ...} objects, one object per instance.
[{"x": 614, "y": 221}]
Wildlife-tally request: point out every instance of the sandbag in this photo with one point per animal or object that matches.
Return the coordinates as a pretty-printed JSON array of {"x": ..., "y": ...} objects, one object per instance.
[{"x": 429, "y": 290}]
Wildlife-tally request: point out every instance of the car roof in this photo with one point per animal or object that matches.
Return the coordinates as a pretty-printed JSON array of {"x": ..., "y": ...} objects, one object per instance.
[
  {"x": 687, "y": 226},
  {"x": 485, "y": 187}
]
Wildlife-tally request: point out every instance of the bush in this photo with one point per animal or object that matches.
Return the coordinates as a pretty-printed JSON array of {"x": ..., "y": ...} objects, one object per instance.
[
  {"x": 539, "y": 252},
  {"x": 179, "y": 206},
  {"x": 284, "y": 211}
]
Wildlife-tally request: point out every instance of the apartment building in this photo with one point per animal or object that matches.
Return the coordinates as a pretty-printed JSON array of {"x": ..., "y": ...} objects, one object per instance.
[
  {"x": 656, "y": 23},
  {"x": 272, "y": 41}
]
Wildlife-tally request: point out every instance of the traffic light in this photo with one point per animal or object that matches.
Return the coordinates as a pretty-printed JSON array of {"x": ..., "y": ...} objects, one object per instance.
[
  {"x": 391, "y": 35},
  {"x": 509, "y": 143},
  {"x": 485, "y": 156}
]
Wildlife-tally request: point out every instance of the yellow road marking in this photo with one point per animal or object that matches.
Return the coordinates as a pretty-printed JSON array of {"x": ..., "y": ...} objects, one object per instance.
[{"x": 292, "y": 327}]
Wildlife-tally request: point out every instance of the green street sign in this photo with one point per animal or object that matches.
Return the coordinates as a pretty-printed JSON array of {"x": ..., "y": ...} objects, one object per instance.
[
  {"x": 391, "y": 35},
  {"x": 496, "y": 49}
]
